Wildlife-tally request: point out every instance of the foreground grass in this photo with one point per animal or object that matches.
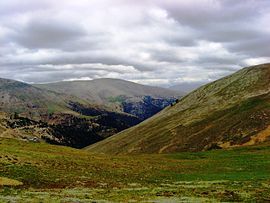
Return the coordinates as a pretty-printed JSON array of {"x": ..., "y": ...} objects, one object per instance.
[{"x": 60, "y": 174}]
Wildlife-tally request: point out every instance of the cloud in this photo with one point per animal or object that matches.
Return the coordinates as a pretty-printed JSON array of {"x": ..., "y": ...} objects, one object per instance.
[
  {"x": 47, "y": 33},
  {"x": 148, "y": 41}
]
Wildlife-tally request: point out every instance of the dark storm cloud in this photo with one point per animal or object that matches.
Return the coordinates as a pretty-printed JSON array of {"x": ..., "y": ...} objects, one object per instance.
[{"x": 149, "y": 41}]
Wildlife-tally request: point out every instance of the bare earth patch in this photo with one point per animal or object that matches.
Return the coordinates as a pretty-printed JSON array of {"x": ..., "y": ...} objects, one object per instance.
[
  {"x": 260, "y": 137},
  {"x": 9, "y": 182}
]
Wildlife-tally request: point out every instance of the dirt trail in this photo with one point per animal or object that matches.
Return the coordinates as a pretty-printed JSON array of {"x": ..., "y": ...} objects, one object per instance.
[{"x": 172, "y": 143}]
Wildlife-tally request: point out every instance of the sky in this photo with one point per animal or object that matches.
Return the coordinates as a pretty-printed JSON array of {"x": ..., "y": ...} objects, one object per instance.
[{"x": 153, "y": 42}]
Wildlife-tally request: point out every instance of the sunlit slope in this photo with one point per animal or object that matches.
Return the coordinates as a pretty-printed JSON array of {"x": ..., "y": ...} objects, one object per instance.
[{"x": 234, "y": 110}]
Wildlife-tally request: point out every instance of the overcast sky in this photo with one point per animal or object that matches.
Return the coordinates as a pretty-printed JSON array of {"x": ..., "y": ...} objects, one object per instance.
[{"x": 154, "y": 42}]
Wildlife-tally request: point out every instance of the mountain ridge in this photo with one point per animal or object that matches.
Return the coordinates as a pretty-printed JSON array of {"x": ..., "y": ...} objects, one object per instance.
[
  {"x": 116, "y": 86},
  {"x": 195, "y": 122},
  {"x": 120, "y": 95}
]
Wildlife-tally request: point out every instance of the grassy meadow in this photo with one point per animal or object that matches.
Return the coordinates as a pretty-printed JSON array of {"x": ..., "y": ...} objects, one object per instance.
[{"x": 39, "y": 172}]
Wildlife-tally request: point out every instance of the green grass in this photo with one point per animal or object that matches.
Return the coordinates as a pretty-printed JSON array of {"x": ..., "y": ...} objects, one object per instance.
[
  {"x": 52, "y": 108},
  {"x": 86, "y": 117},
  {"x": 118, "y": 99},
  {"x": 61, "y": 174},
  {"x": 239, "y": 164}
]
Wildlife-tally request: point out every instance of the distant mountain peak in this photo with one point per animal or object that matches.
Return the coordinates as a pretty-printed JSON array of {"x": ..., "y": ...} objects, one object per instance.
[{"x": 121, "y": 95}]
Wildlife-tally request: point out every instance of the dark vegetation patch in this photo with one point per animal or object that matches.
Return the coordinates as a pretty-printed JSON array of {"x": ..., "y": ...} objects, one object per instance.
[
  {"x": 147, "y": 107},
  {"x": 70, "y": 130}
]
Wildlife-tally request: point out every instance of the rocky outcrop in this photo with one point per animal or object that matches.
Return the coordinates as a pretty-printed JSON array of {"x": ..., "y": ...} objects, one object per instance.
[{"x": 146, "y": 107}]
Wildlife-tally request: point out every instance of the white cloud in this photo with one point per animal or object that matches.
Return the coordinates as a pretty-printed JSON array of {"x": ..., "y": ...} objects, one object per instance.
[
  {"x": 256, "y": 61},
  {"x": 152, "y": 41}
]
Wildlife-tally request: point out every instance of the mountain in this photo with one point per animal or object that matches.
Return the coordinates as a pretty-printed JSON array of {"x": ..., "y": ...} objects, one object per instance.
[
  {"x": 24, "y": 98},
  {"x": 120, "y": 95},
  {"x": 29, "y": 112},
  {"x": 232, "y": 111}
]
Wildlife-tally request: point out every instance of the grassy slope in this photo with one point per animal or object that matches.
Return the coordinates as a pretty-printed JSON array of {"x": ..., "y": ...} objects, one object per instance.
[
  {"x": 60, "y": 174},
  {"x": 31, "y": 101},
  {"x": 226, "y": 112}
]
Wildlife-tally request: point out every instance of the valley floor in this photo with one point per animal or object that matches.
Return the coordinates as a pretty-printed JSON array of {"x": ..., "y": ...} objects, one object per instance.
[{"x": 39, "y": 172}]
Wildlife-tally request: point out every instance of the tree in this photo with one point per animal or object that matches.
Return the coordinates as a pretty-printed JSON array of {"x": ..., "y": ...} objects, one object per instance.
[{"x": 16, "y": 115}]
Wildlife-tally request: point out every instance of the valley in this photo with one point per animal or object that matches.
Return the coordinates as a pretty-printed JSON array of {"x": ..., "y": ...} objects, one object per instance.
[
  {"x": 39, "y": 172},
  {"x": 212, "y": 145},
  {"x": 125, "y": 101},
  {"x": 72, "y": 118}
]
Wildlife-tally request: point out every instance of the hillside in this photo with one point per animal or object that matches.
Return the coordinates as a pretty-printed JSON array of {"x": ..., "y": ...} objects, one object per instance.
[
  {"x": 24, "y": 98},
  {"x": 139, "y": 100},
  {"x": 29, "y": 112},
  {"x": 232, "y": 111}
]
